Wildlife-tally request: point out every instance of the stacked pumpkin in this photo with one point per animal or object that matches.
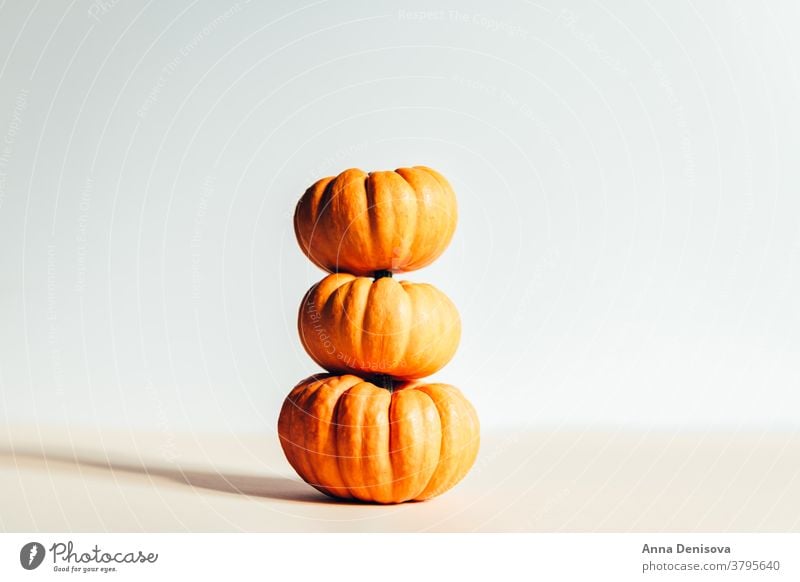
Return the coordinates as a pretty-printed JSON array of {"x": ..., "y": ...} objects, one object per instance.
[{"x": 371, "y": 429}]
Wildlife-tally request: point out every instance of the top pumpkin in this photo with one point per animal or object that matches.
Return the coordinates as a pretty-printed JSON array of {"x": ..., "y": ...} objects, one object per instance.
[{"x": 362, "y": 223}]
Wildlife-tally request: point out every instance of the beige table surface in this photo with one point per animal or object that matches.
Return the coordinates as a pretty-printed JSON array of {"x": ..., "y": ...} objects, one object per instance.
[{"x": 87, "y": 480}]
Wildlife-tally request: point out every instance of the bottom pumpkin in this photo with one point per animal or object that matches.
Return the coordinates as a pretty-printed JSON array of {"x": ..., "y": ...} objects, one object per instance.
[{"x": 352, "y": 439}]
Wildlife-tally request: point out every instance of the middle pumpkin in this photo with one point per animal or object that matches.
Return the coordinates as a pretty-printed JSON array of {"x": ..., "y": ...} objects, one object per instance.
[{"x": 378, "y": 326}]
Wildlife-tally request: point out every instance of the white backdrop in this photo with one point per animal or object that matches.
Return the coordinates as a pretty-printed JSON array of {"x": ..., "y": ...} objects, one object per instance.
[{"x": 628, "y": 247}]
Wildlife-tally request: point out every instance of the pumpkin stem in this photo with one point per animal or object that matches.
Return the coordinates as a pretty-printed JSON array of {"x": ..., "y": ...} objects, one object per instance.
[
  {"x": 381, "y": 274},
  {"x": 384, "y": 382}
]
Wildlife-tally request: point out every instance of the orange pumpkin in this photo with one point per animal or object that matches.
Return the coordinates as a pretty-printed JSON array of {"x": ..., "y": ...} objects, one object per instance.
[
  {"x": 352, "y": 439},
  {"x": 378, "y": 326},
  {"x": 361, "y": 223}
]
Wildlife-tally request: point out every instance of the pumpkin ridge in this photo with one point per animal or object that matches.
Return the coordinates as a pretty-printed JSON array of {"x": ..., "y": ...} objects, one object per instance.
[
  {"x": 424, "y": 485},
  {"x": 316, "y": 450},
  {"x": 435, "y": 475},
  {"x": 441, "y": 445},
  {"x": 460, "y": 460},
  {"x": 311, "y": 474},
  {"x": 369, "y": 418},
  {"x": 443, "y": 318},
  {"x": 392, "y": 438},
  {"x": 372, "y": 216},
  {"x": 423, "y": 233},
  {"x": 335, "y": 428},
  {"x": 441, "y": 442},
  {"x": 446, "y": 190},
  {"x": 403, "y": 349},
  {"x": 303, "y": 212},
  {"x": 412, "y": 216},
  {"x": 326, "y": 207},
  {"x": 389, "y": 433},
  {"x": 343, "y": 456},
  {"x": 303, "y": 305},
  {"x": 319, "y": 189},
  {"x": 361, "y": 330}
]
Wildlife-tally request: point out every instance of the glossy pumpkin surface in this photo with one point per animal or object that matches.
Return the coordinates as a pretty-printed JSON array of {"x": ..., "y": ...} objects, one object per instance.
[
  {"x": 378, "y": 326},
  {"x": 352, "y": 439},
  {"x": 360, "y": 222}
]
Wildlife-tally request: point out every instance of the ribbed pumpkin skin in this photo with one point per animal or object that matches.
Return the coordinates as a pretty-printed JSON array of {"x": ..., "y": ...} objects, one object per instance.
[
  {"x": 351, "y": 439},
  {"x": 378, "y": 326},
  {"x": 361, "y": 223}
]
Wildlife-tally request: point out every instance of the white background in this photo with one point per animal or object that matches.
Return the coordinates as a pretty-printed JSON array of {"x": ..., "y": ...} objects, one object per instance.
[{"x": 628, "y": 247}]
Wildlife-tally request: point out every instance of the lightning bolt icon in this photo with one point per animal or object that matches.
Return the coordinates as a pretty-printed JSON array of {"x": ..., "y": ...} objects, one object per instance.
[{"x": 34, "y": 551}]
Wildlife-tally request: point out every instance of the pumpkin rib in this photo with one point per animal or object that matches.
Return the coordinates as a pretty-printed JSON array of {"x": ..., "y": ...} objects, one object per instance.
[
  {"x": 341, "y": 457},
  {"x": 380, "y": 453},
  {"x": 442, "y": 190},
  {"x": 326, "y": 201},
  {"x": 304, "y": 306},
  {"x": 299, "y": 435},
  {"x": 395, "y": 434},
  {"x": 443, "y": 182},
  {"x": 459, "y": 461},
  {"x": 464, "y": 416},
  {"x": 425, "y": 295},
  {"x": 285, "y": 422},
  {"x": 337, "y": 215},
  {"x": 426, "y": 236},
  {"x": 442, "y": 446},
  {"x": 451, "y": 325},
  {"x": 413, "y": 215},
  {"x": 321, "y": 412},
  {"x": 363, "y": 332},
  {"x": 350, "y": 436},
  {"x": 362, "y": 432},
  {"x": 409, "y": 329},
  {"x": 448, "y": 192},
  {"x": 418, "y": 478},
  {"x": 305, "y": 209},
  {"x": 392, "y": 438},
  {"x": 335, "y": 427},
  {"x": 409, "y": 349},
  {"x": 358, "y": 332},
  {"x": 296, "y": 417},
  {"x": 399, "y": 340},
  {"x": 437, "y": 458},
  {"x": 377, "y": 215},
  {"x": 423, "y": 235},
  {"x": 308, "y": 405},
  {"x": 372, "y": 217},
  {"x": 322, "y": 194}
]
